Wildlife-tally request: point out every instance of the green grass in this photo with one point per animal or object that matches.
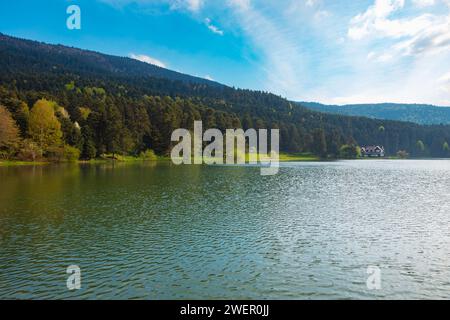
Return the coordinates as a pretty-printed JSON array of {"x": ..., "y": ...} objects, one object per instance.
[
  {"x": 132, "y": 159},
  {"x": 298, "y": 157},
  {"x": 122, "y": 158}
]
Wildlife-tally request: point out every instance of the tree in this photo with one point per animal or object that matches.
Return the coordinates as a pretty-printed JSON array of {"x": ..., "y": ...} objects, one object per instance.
[
  {"x": 420, "y": 147},
  {"x": 9, "y": 134},
  {"x": 320, "y": 142},
  {"x": 114, "y": 130},
  {"x": 44, "y": 127},
  {"x": 402, "y": 154},
  {"x": 71, "y": 153},
  {"x": 21, "y": 114},
  {"x": 445, "y": 148},
  {"x": 88, "y": 149},
  {"x": 29, "y": 151},
  {"x": 349, "y": 151}
]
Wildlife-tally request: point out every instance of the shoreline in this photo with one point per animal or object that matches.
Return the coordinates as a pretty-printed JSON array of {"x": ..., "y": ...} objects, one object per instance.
[{"x": 282, "y": 158}]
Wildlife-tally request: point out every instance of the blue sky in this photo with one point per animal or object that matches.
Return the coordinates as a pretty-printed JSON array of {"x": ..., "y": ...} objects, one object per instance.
[{"x": 331, "y": 51}]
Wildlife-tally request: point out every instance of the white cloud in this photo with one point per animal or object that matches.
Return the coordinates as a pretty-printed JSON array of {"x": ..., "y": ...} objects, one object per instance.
[
  {"x": 191, "y": 5},
  {"x": 445, "y": 78},
  {"x": 148, "y": 59},
  {"x": 194, "y": 5},
  {"x": 240, "y": 4},
  {"x": 208, "y": 77},
  {"x": 212, "y": 27},
  {"x": 424, "y": 3},
  {"x": 375, "y": 20},
  {"x": 435, "y": 38},
  {"x": 384, "y": 57},
  {"x": 426, "y": 33}
]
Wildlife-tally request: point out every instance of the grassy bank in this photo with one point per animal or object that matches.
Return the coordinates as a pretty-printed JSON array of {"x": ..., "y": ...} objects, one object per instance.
[
  {"x": 130, "y": 159},
  {"x": 11, "y": 163},
  {"x": 298, "y": 157}
]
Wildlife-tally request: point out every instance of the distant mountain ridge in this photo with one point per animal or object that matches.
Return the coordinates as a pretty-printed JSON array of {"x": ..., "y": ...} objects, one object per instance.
[
  {"x": 34, "y": 57},
  {"x": 417, "y": 113}
]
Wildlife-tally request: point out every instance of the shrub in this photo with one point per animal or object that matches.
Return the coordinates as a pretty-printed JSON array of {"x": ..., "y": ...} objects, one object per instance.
[
  {"x": 402, "y": 154},
  {"x": 63, "y": 153},
  {"x": 71, "y": 153},
  {"x": 29, "y": 151},
  {"x": 349, "y": 151},
  {"x": 148, "y": 155}
]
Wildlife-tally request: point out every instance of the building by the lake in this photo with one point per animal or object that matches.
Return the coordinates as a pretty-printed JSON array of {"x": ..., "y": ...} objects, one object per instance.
[{"x": 372, "y": 151}]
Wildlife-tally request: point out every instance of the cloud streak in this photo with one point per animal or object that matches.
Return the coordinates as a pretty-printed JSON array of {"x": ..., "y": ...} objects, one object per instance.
[{"x": 212, "y": 27}]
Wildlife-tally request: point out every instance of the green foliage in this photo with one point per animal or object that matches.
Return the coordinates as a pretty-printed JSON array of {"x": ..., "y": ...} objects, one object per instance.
[
  {"x": 70, "y": 86},
  {"x": 420, "y": 147},
  {"x": 63, "y": 153},
  {"x": 44, "y": 127},
  {"x": 71, "y": 153},
  {"x": 148, "y": 155},
  {"x": 138, "y": 112},
  {"x": 319, "y": 142},
  {"x": 85, "y": 112},
  {"x": 349, "y": 152}
]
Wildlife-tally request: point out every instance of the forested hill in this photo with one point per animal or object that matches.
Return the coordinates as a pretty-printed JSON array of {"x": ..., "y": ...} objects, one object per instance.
[
  {"x": 418, "y": 113},
  {"x": 62, "y": 98},
  {"x": 40, "y": 57}
]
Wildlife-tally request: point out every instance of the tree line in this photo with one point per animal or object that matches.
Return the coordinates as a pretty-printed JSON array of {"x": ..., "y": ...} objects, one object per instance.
[
  {"x": 67, "y": 120},
  {"x": 65, "y": 103}
]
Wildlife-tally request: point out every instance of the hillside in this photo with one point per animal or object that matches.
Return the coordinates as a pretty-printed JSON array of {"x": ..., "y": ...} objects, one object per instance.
[
  {"x": 110, "y": 104},
  {"x": 417, "y": 113},
  {"x": 40, "y": 57}
]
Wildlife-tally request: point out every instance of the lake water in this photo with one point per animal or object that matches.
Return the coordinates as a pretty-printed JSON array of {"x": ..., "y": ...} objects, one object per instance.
[{"x": 158, "y": 231}]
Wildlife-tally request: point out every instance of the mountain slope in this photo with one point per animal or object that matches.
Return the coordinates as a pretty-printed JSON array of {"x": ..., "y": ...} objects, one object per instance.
[
  {"x": 40, "y": 57},
  {"x": 417, "y": 113},
  {"x": 125, "y": 106}
]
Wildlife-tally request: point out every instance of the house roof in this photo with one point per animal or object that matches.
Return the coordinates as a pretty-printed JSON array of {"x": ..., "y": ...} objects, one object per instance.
[{"x": 372, "y": 148}]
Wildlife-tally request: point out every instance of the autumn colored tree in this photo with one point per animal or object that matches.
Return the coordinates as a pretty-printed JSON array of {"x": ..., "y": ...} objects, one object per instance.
[
  {"x": 44, "y": 128},
  {"x": 9, "y": 134}
]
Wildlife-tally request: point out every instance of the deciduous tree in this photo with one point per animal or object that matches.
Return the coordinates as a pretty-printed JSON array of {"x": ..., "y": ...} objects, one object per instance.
[
  {"x": 44, "y": 127},
  {"x": 9, "y": 134}
]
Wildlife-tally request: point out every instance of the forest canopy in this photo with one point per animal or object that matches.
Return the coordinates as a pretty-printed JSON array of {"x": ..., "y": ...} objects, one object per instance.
[{"x": 68, "y": 110}]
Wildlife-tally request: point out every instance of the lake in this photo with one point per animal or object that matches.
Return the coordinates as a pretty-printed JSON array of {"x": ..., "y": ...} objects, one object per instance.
[{"x": 159, "y": 231}]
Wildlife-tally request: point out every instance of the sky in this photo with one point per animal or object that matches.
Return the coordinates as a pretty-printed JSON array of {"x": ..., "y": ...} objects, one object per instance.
[{"x": 329, "y": 51}]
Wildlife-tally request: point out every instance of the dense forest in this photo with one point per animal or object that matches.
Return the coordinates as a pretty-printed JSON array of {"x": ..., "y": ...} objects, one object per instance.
[
  {"x": 417, "y": 113},
  {"x": 64, "y": 103}
]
